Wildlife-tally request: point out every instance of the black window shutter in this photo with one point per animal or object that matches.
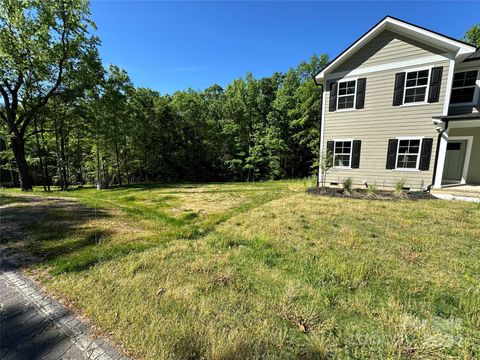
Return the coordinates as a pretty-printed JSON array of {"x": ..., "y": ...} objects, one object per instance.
[
  {"x": 330, "y": 145},
  {"x": 398, "y": 89},
  {"x": 392, "y": 153},
  {"x": 361, "y": 85},
  {"x": 425, "y": 154},
  {"x": 333, "y": 96},
  {"x": 435, "y": 83},
  {"x": 357, "y": 144}
]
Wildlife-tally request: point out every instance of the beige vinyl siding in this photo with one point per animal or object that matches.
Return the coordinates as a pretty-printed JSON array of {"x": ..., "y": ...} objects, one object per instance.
[
  {"x": 473, "y": 174},
  {"x": 386, "y": 48},
  {"x": 466, "y": 109},
  {"x": 380, "y": 121}
]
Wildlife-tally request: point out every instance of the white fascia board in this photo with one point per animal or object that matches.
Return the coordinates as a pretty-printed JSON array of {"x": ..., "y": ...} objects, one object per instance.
[
  {"x": 430, "y": 37},
  {"x": 353, "y": 48},
  {"x": 408, "y": 30},
  {"x": 448, "y": 92},
  {"x": 405, "y": 64}
]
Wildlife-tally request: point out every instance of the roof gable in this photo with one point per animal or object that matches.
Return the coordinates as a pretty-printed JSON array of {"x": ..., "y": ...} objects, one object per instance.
[{"x": 407, "y": 30}]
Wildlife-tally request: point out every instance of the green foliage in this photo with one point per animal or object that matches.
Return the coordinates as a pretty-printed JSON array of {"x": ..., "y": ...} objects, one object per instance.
[
  {"x": 46, "y": 49},
  {"x": 347, "y": 184},
  {"x": 99, "y": 128},
  {"x": 399, "y": 185},
  {"x": 112, "y": 133},
  {"x": 372, "y": 189},
  {"x": 325, "y": 164},
  {"x": 472, "y": 36}
]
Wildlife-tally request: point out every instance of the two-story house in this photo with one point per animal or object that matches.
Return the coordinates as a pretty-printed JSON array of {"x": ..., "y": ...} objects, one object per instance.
[{"x": 402, "y": 102}]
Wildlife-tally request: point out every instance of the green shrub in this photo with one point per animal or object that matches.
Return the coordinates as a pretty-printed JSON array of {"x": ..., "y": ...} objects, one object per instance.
[
  {"x": 347, "y": 184},
  {"x": 399, "y": 185},
  {"x": 372, "y": 189}
]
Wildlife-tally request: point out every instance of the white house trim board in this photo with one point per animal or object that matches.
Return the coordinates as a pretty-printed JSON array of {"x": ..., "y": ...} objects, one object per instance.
[
  {"x": 322, "y": 134},
  {"x": 403, "y": 28},
  {"x": 429, "y": 36},
  {"x": 448, "y": 92},
  {"x": 404, "y": 65},
  {"x": 442, "y": 151},
  {"x": 468, "y": 152}
]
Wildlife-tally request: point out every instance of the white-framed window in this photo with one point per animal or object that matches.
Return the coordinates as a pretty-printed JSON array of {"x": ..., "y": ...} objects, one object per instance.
[
  {"x": 463, "y": 87},
  {"x": 408, "y": 153},
  {"x": 347, "y": 91},
  {"x": 342, "y": 153},
  {"x": 416, "y": 86}
]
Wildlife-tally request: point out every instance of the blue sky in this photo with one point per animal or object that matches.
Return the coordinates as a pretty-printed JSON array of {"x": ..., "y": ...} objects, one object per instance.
[{"x": 170, "y": 46}]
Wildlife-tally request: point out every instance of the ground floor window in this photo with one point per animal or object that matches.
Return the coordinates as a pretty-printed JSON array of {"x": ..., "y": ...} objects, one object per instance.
[
  {"x": 408, "y": 153},
  {"x": 342, "y": 153}
]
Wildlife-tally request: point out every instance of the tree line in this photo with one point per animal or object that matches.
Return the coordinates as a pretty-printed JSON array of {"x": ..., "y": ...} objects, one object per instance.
[{"x": 66, "y": 120}]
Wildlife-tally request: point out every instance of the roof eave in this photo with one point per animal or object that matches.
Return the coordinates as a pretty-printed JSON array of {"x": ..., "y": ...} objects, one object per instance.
[{"x": 456, "y": 47}]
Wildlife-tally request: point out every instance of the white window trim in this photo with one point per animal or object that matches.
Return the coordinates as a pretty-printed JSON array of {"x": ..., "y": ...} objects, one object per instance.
[
  {"x": 424, "y": 102},
  {"x": 351, "y": 153},
  {"x": 418, "y": 155},
  {"x": 476, "y": 93},
  {"x": 354, "y": 94}
]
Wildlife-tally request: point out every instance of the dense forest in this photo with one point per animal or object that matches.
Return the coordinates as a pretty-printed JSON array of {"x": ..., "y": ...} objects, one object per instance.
[{"x": 68, "y": 121}]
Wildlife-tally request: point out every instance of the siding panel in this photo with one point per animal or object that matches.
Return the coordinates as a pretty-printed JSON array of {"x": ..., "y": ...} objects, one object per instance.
[
  {"x": 380, "y": 121},
  {"x": 385, "y": 48}
]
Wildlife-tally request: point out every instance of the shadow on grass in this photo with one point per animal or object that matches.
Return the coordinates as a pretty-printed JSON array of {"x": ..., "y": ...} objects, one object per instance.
[{"x": 41, "y": 230}]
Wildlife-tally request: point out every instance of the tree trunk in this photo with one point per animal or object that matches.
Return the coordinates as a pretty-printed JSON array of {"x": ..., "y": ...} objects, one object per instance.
[
  {"x": 18, "y": 147},
  {"x": 39, "y": 153},
  {"x": 80, "y": 179},
  {"x": 60, "y": 160},
  {"x": 117, "y": 151},
  {"x": 127, "y": 170},
  {"x": 47, "y": 174},
  {"x": 64, "y": 162}
]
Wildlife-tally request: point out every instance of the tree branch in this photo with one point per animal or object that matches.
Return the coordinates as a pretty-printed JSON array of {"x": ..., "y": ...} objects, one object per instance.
[
  {"x": 24, "y": 119},
  {"x": 5, "y": 98},
  {"x": 38, "y": 132}
]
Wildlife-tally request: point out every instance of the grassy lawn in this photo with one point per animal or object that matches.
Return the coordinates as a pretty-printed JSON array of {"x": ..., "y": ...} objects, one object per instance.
[{"x": 264, "y": 270}]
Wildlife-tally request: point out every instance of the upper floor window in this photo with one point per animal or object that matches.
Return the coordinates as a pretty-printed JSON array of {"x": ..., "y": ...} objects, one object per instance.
[
  {"x": 408, "y": 153},
  {"x": 463, "y": 88},
  {"x": 416, "y": 86},
  {"x": 346, "y": 94}
]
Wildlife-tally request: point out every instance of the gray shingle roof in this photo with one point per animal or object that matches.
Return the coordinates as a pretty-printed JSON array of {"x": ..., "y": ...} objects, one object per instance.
[
  {"x": 474, "y": 56},
  {"x": 471, "y": 116}
]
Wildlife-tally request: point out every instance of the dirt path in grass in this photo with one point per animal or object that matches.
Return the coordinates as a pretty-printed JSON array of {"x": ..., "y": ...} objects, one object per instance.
[{"x": 33, "y": 325}]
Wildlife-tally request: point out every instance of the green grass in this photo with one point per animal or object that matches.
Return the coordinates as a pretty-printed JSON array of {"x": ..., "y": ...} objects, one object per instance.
[{"x": 263, "y": 270}]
